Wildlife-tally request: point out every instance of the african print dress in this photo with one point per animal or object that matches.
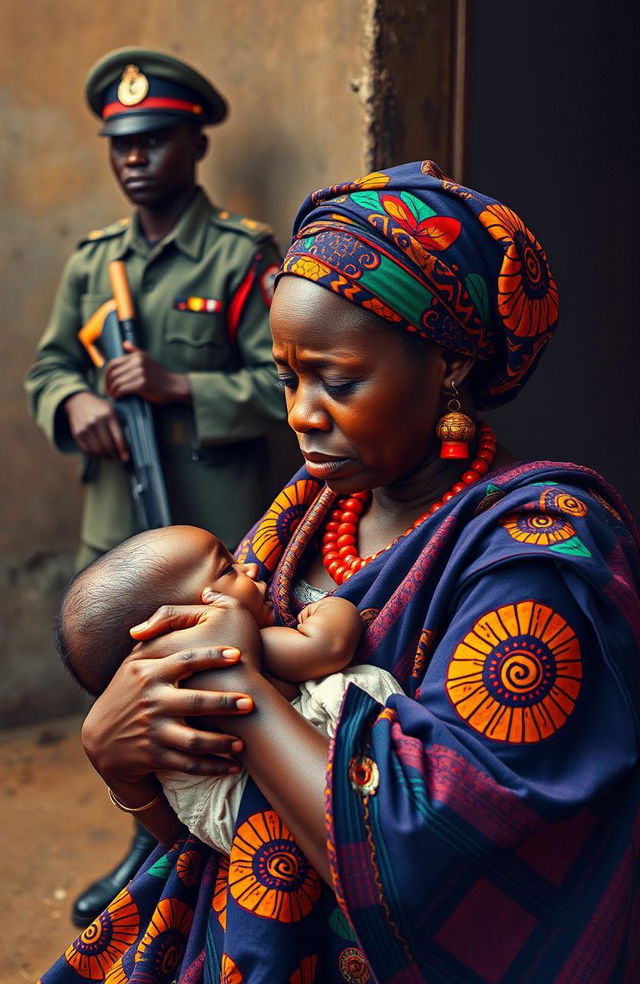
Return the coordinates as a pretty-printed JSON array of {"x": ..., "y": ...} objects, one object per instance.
[{"x": 483, "y": 826}]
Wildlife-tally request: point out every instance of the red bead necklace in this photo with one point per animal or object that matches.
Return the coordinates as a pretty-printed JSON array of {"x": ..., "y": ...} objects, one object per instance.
[{"x": 339, "y": 540}]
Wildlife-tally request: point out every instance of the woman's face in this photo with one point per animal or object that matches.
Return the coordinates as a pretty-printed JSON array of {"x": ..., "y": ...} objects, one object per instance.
[{"x": 363, "y": 400}]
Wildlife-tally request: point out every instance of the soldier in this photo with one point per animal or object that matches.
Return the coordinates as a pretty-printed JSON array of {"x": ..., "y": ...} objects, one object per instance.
[{"x": 201, "y": 278}]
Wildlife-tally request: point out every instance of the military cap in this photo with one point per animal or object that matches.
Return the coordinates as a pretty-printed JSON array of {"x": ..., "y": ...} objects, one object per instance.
[{"x": 133, "y": 90}]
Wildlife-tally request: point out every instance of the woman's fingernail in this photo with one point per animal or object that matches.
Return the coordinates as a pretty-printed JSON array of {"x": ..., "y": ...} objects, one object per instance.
[
  {"x": 230, "y": 653},
  {"x": 139, "y": 628},
  {"x": 244, "y": 703},
  {"x": 233, "y": 770},
  {"x": 236, "y": 746}
]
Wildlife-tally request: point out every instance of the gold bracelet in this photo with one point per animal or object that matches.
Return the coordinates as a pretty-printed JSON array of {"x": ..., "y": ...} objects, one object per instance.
[{"x": 132, "y": 809}]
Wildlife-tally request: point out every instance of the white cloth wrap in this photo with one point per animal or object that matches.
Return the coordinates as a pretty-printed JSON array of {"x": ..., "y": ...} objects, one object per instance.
[{"x": 208, "y": 805}]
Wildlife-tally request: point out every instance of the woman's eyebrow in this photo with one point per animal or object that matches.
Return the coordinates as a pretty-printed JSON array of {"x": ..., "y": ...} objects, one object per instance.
[{"x": 322, "y": 361}]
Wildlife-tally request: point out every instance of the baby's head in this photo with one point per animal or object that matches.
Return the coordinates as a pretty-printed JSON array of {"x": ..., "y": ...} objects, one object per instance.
[{"x": 169, "y": 566}]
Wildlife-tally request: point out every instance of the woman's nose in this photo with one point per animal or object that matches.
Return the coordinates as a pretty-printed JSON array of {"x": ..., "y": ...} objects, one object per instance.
[{"x": 305, "y": 411}]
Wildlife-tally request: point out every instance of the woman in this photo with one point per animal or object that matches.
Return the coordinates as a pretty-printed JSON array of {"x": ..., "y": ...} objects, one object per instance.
[{"x": 481, "y": 827}]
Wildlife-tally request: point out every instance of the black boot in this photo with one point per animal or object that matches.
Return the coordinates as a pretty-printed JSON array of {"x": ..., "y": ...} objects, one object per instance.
[{"x": 100, "y": 893}]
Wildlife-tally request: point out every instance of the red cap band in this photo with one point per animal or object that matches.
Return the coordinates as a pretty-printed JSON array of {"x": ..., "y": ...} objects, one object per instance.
[{"x": 153, "y": 102}]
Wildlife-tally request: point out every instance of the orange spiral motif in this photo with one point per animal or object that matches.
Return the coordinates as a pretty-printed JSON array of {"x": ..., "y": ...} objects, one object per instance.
[
  {"x": 268, "y": 873},
  {"x": 188, "y": 867},
  {"x": 554, "y": 499},
  {"x": 516, "y": 675},
  {"x": 572, "y": 506},
  {"x": 162, "y": 947},
  {"x": 281, "y": 520},
  {"x": 537, "y": 528},
  {"x": 527, "y": 292},
  {"x": 521, "y": 672},
  {"x": 94, "y": 953}
]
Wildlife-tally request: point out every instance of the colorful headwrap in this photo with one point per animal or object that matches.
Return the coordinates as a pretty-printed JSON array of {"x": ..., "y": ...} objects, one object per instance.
[{"x": 422, "y": 252}]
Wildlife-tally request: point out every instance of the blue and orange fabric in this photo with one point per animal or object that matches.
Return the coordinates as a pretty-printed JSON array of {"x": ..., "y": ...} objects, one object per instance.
[
  {"x": 446, "y": 262},
  {"x": 483, "y": 828}
]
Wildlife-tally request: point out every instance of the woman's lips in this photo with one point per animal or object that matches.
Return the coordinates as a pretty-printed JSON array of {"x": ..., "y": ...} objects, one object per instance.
[{"x": 323, "y": 465}]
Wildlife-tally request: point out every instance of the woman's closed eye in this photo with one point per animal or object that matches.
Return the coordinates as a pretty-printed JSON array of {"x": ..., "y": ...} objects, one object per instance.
[
  {"x": 288, "y": 382},
  {"x": 332, "y": 388},
  {"x": 340, "y": 389}
]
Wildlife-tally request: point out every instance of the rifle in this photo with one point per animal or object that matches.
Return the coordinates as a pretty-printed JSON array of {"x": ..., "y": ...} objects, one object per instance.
[{"x": 103, "y": 336}]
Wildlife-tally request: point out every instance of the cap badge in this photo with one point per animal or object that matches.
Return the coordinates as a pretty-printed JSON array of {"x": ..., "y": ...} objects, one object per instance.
[{"x": 133, "y": 86}]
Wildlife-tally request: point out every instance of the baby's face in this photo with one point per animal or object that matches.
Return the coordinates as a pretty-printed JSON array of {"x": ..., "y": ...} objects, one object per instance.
[{"x": 210, "y": 565}]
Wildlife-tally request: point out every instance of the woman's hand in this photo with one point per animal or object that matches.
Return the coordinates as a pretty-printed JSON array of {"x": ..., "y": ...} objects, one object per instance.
[
  {"x": 137, "y": 726},
  {"x": 222, "y": 621}
]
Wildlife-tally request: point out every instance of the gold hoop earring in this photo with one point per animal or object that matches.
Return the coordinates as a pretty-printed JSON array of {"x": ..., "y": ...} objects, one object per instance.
[{"x": 455, "y": 429}]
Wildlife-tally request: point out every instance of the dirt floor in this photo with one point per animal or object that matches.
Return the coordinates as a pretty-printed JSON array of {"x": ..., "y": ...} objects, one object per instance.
[{"x": 59, "y": 832}]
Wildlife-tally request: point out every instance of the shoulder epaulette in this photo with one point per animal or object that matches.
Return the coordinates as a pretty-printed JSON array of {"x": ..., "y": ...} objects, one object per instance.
[
  {"x": 115, "y": 229},
  {"x": 241, "y": 223}
]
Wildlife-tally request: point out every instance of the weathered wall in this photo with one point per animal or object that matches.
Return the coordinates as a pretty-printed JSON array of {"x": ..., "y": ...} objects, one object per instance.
[
  {"x": 292, "y": 74},
  {"x": 318, "y": 93}
]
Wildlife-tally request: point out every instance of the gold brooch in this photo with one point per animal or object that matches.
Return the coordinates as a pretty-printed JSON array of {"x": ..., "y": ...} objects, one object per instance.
[
  {"x": 133, "y": 86},
  {"x": 363, "y": 775}
]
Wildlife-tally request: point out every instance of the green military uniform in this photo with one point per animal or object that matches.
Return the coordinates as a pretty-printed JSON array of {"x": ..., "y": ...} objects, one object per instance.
[
  {"x": 201, "y": 297},
  {"x": 202, "y": 294}
]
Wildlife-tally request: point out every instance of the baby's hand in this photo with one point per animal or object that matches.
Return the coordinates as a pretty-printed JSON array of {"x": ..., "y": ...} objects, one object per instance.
[{"x": 308, "y": 611}]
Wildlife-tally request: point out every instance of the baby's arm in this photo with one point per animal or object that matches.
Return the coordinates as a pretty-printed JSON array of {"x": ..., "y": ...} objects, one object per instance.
[{"x": 324, "y": 642}]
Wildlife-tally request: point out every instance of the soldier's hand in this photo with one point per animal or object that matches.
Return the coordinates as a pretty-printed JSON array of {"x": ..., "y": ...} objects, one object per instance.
[
  {"x": 136, "y": 374},
  {"x": 95, "y": 427}
]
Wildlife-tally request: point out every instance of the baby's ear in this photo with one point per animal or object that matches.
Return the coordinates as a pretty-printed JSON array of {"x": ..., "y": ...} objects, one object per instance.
[{"x": 251, "y": 570}]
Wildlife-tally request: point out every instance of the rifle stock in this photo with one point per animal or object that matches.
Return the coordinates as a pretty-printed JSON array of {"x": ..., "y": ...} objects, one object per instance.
[{"x": 103, "y": 337}]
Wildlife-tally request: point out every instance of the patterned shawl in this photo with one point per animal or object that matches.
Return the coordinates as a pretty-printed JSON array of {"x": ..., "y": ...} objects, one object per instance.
[{"x": 483, "y": 828}]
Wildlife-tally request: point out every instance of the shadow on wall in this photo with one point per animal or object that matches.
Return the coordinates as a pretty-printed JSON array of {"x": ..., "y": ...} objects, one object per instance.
[{"x": 33, "y": 683}]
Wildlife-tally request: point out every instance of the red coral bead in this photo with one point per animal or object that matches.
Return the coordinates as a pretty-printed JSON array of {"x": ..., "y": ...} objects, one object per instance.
[
  {"x": 458, "y": 487},
  {"x": 346, "y": 551},
  {"x": 350, "y": 517},
  {"x": 354, "y": 505},
  {"x": 482, "y": 467},
  {"x": 469, "y": 477},
  {"x": 347, "y": 528},
  {"x": 346, "y": 540}
]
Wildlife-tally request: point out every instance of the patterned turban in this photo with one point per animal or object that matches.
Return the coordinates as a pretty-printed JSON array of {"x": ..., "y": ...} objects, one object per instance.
[{"x": 437, "y": 259}]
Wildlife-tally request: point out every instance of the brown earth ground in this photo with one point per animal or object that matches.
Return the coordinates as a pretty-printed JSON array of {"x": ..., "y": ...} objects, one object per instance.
[{"x": 59, "y": 832}]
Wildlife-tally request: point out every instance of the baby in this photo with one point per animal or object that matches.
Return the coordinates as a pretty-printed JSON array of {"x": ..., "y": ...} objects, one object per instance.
[{"x": 172, "y": 566}]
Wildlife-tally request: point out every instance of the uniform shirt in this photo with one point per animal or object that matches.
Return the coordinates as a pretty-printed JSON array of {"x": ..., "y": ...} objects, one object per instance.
[{"x": 202, "y": 296}]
